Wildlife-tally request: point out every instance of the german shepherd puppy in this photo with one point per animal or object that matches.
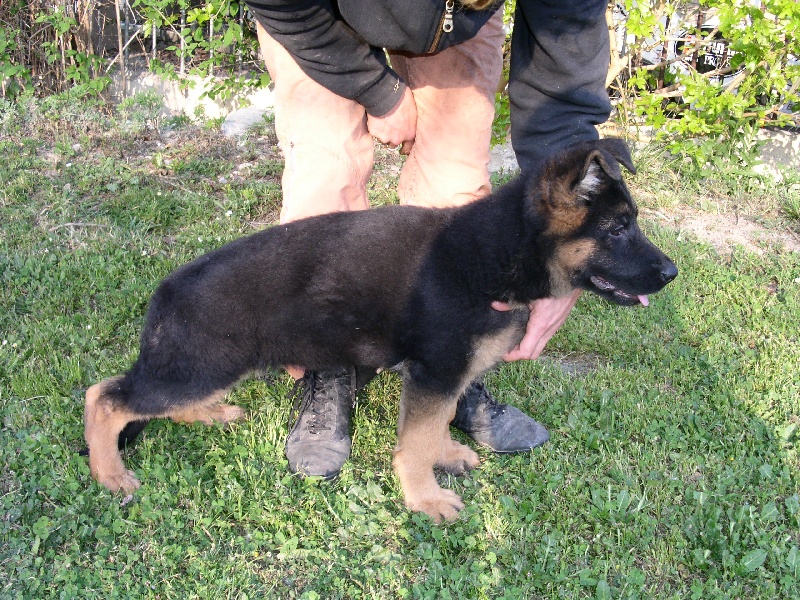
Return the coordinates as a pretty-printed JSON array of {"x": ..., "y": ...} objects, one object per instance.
[{"x": 399, "y": 285}]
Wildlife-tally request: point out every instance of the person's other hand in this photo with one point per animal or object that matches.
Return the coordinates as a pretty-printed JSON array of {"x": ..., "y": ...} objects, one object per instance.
[
  {"x": 547, "y": 316},
  {"x": 398, "y": 126}
]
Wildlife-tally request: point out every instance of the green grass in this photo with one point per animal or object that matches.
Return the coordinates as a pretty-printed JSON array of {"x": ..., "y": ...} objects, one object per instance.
[{"x": 672, "y": 470}]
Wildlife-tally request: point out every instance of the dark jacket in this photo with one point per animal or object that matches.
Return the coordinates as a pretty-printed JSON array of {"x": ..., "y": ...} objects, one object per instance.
[{"x": 558, "y": 65}]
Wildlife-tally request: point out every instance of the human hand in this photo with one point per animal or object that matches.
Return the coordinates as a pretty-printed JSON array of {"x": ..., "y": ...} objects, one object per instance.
[
  {"x": 398, "y": 126},
  {"x": 547, "y": 316}
]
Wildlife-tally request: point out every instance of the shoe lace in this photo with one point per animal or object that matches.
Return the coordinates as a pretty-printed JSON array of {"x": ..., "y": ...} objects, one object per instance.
[
  {"x": 493, "y": 407},
  {"x": 310, "y": 394}
]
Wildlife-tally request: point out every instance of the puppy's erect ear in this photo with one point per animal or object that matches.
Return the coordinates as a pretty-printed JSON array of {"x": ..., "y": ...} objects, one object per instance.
[
  {"x": 607, "y": 156},
  {"x": 591, "y": 176},
  {"x": 599, "y": 158},
  {"x": 618, "y": 150},
  {"x": 573, "y": 177}
]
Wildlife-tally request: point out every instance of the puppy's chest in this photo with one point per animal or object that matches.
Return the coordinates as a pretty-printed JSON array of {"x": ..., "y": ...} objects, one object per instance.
[{"x": 489, "y": 348}]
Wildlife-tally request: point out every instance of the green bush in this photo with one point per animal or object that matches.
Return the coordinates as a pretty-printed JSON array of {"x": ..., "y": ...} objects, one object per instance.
[
  {"x": 46, "y": 45},
  {"x": 213, "y": 39},
  {"x": 14, "y": 77},
  {"x": 707, "y": 75}
]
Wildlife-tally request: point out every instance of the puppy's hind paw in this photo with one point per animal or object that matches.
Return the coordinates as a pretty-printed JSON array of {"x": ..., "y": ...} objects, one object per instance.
[
  {"x": 123, "y": 481},
  {"x": 208, "y": 414},
  {"x": 227, "y": 413}
]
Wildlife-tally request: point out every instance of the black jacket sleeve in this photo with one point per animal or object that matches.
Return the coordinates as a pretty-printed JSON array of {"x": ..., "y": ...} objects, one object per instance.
[
  {"x": 314, "y": 36},
  {"x": 559, "y": 62}
]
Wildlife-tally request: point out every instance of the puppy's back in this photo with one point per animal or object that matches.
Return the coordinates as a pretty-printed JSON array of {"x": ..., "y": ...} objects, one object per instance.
[{"x": 324, "y": 291}]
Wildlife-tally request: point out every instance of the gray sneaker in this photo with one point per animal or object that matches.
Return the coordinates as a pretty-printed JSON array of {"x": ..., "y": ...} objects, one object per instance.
[
  {"x": 501, "y": 427},
  {"x": 319, "y": 442}
]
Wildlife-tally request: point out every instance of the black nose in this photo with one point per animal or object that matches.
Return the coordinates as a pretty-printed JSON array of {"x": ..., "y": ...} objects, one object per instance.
[{"x": 669, "y": 271}]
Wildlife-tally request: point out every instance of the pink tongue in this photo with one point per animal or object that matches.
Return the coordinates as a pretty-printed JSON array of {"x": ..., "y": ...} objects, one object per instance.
[{"x": 644, "y": 300}]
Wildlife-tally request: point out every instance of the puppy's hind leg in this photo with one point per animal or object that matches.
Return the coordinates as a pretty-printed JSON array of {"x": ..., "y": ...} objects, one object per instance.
[
  {"x": 105, "y": 416},
  {"x": 208, "y": 412}
]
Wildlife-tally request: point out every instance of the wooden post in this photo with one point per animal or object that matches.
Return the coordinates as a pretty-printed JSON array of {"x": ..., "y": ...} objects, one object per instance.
[
  {"x": 239, "y": 47},
  {"x": 121, "y": 45},
  {"x": 127, "y": 30},
  {"x": 183, "y": 43},
  {"x": 211, "y": 47}
]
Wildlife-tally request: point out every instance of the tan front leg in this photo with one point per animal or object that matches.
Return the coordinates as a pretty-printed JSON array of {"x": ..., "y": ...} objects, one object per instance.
[
  {"x": 423, "y": 440},
  {"x": 103, "y": 422}
]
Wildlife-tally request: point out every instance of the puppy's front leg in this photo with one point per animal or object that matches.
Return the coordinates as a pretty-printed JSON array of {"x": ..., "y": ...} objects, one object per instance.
[{"x": 423, "y": 439}]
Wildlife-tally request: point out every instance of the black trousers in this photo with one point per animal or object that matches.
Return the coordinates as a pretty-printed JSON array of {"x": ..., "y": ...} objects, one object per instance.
[{"x": 559, "y": 61}]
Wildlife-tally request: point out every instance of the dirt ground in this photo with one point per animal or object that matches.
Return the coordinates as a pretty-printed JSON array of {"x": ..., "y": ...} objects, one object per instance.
[{"x": 724, "y": 231}]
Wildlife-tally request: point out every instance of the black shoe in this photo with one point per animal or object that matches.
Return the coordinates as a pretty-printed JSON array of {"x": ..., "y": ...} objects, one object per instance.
[
  {"x": 501, "y": 427},
  {"x": 319, "y": 442}
]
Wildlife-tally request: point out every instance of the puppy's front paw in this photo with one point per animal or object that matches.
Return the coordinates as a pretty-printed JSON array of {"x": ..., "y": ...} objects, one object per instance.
[
  {"x": 441, "y": 505},
  {"x": 227, "y": 413},
  {"x": 120, "y": 481},
  {"x": 457, "y": 458}
]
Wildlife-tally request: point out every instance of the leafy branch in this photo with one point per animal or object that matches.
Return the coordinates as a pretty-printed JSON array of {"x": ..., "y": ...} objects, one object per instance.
[{"x": 706, "y": 75}]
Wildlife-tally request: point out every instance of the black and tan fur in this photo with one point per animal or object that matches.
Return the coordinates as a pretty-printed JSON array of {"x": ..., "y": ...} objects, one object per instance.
[{"x": 392, "y": 286}]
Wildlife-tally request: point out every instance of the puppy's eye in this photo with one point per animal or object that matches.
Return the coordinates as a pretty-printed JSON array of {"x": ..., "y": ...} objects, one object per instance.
[{"x": 617, "y": 230}]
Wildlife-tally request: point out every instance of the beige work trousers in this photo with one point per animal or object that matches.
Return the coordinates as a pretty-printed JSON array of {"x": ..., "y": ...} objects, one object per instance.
[{"x": 328, "y": 151}]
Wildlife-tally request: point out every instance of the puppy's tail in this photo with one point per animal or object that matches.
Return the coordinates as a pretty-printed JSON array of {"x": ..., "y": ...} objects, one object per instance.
[{"x": 117, "y": 390}]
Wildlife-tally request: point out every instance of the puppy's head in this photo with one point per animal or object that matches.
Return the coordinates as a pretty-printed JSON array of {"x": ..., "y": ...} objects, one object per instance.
[{"x": 591, "y": 229}]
